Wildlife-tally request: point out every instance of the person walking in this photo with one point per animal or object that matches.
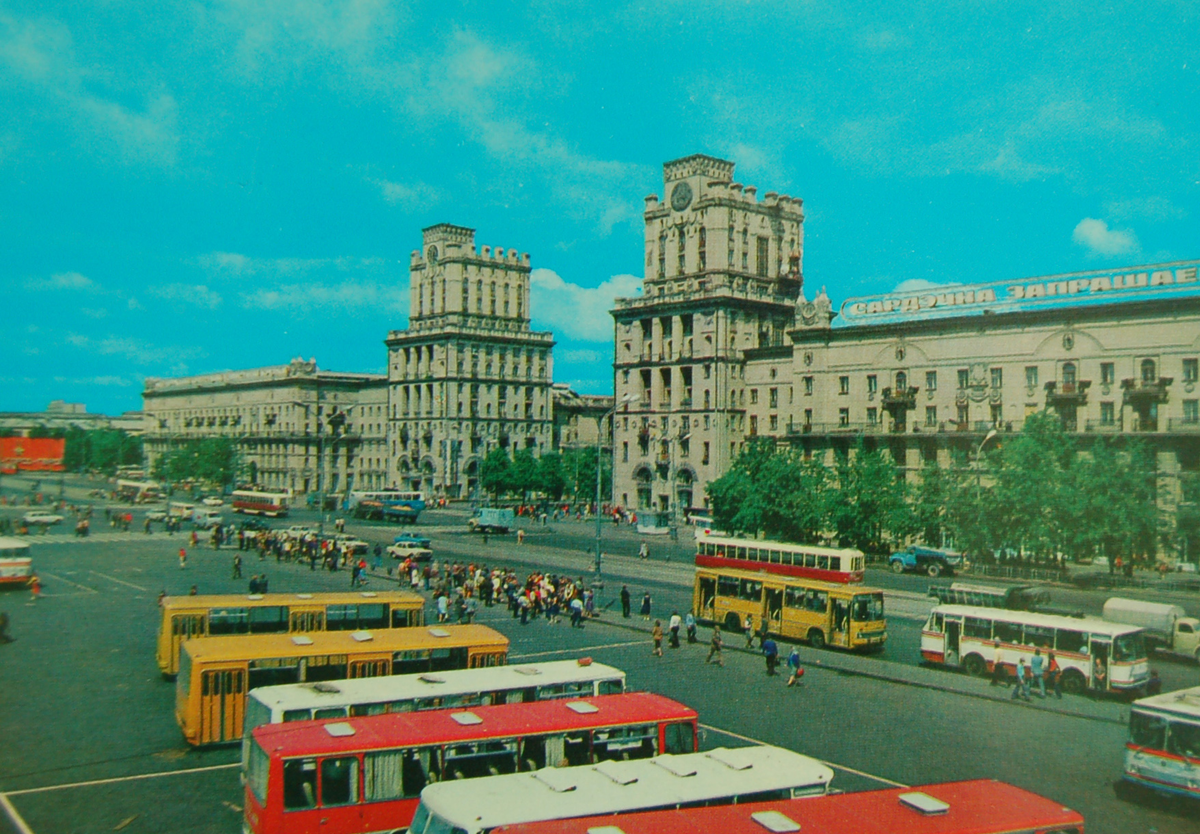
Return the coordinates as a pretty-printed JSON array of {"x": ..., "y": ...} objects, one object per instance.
[
  {"x": 237, "y": 566},
  {"x": 1037, "y": 670},
  {"x": 793, "y": 663},
  {"x": 714, "y": 649},
  {"x": 771, "y": 653},
  {"x": 689, "y": 623},
  {"x": 182, "y": 558},
  {"x": 998, "y": 665},
  {"x": 644, "y": 551},
  {"x": 1054, "y": 673},
  {"x": 625, "y": 601},
  {"x": 673, "y": 625},
  {"x": 646, "y": 606},
  {"x": 657, "y": 636},
  {"x": 5, "y": 637},
  {"x": 1020, "y": 687},
  {"x": 35, "y": 586},
  {"x": 748, "y": 628}
]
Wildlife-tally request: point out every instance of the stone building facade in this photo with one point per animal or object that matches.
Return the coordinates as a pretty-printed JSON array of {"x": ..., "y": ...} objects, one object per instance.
[
  {"x": 577, "y": 419},
  {"x": 722, "y": 279},
  {"x": 296, "y": 427},
  {"x": 468, "y": 375}
]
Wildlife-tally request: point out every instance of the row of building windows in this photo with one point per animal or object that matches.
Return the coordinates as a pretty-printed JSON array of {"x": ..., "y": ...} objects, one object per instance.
[{"x": 492, "y": 299}]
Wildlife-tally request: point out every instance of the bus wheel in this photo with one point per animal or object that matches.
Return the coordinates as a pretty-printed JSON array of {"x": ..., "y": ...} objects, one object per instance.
[
  {"x": 897, "y": 566},
  {"x": 975, "y": 666},
  {"x": 1073, "y": 682},
  {"x": 733, "y": 623},
  {"x": 816, "y": 638},
  {"x": 934, "y": 570}
]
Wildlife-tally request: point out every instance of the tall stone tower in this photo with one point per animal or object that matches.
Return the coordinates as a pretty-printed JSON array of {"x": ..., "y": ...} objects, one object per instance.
[
  {"x": 468, "y": 375},
  {"x": 722, "y": 281}
]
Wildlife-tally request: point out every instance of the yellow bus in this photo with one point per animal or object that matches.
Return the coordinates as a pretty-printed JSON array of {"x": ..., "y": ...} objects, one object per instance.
[
  {"x": 794, "y": 608},
  {"x": 216, "y": 674},
  {"x": 192, "y": 617}
]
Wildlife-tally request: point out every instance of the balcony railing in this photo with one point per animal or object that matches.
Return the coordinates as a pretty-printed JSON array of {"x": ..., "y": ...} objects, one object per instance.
[
  {"x": 1067, "y": 393},
  {"x": 899, "y": 398},
  {"x": 1147, "y": 390}
]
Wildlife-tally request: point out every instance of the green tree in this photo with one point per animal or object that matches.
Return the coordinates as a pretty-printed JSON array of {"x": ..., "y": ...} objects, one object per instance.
[
  {"x": 552, "y": 479},
  {"x": 523, "y": 477},
  {"x": 212, "y": 460},
  {"x": 870, "y": 500},
  {"x": 579, "y": 465},
  {"x": 496, "y": 472}
]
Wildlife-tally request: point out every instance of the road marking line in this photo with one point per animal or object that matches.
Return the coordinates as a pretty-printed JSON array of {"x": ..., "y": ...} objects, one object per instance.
[
  {"x": 16, "y": 819},
  {"x": 581, "y": 649},
  {"x": 822, "y": 761},
  {"x": 76, "y": 584},
  {"x": 119, "y": 581},
  {"x": 117, "y": 779}
]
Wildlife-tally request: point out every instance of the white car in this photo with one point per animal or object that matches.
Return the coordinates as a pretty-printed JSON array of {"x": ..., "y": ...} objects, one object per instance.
[
  {"x": 41, "y": 518},
  {"x": 352, "y": 543},
  {"x": 297, "y": 531},
  {"x": 156, "y": 515},
  {"x": 401, "y": 552},
  {"x": 213, "y": 501}
]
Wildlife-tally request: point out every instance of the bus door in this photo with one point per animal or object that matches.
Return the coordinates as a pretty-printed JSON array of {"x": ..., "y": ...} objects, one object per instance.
[
  {"x": 1101, "y": 652},
  {"x": 953, "y": 632},
  {"x": 222, "y": 701},
  {"x": 369, "y": 668},
  {"x": 774, "y": 611},
  {"x": 306, "y": 619},
  {"x": 706, "y": 603},
  {"x": 841, "y": 621},
  {"x": 185, "y": 627}
]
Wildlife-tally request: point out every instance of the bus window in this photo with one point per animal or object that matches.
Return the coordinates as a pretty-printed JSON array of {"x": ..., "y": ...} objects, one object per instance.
[
  {"x": 1129, "y": 647},
  {"x": 341, "y": 618},
  {"x": 330, "y": 712},
  {"x": 575, "y": 750},
  {"x": 793, "y": 597},
  {"x": 817, "y": 601},
  {"x": 978, "y": 627},
  {"x": 835, "y": 562},
  {"x": 810, "y": 560},
  {"x": 404, "y": 619},
  {"x": 444, "y": 659},
  {"x": 1071, "y": 641},
  {"x": 614, "y": 686},
  {"x": 867, "y": 608},
  {"x": 1148, "y": 730},
  {"x": 763, "y": 796},
  {"x": 621, "y": 743},
  {"x": 752, "y": 554},
  {"x": 484, "y": 758},
  {"x": 269, "y": 619},
  {"x": 272, "y": 672},
  {"x": 1007, "y": 632},
  {"x": 393, "y": 774},
  {"x": 339, "y": 781},
  {"x": 229, "y": 621},
  {"x": 325, "y": 668},
  {"x": 678, "y": 738},
  {"x": 296, "y": 715},
  {"x": 721, "y": 551},
  {"x": 1184, "y": 740},
  {"x": 823, "y": 562},
  {"x": 741, "y": 553},
  {"x": 750, "y": 590},
  {"x": 935, "y": 623},
  {"x": 368, "y": 709},
  {"x": 299, "y": 784},
  {"x": 727, "y": 586},
  {"x": 1041, "y": 637},
  {"x": 373, "y": 615}
]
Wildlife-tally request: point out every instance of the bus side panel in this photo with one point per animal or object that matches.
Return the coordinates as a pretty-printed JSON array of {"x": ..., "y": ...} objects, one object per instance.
[
  {"x": 388, "y": 816},
  {"x": 933, "y": 647},
  {"x": 222, "y": 705}
]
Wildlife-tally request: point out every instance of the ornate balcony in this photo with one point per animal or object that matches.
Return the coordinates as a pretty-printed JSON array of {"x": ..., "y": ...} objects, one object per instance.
[
  {"x": 1068, "y": 393},
  {"x": 1146, "y": 391},
  {"x": 899, "y": 399}
]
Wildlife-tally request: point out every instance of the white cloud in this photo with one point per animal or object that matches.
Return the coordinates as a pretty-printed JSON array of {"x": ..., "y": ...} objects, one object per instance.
[
  {"x": 582, "y": 356},
  {"x": 135, "y": 350},
  {"x": 347, "y": 296},
  {"x": 414, "y": 196},
  {"x": 577, "y": 312},
  {"x": 134, "y": 304},
  {"x": 236, "y": 265},
  {"x": 94, "y": 312},
  {"x": 62, "y": 281},
  {"x": 41, "y": 53},
  {"x": 194, "y": 295},
  {"x": 1095, "y": 236}
]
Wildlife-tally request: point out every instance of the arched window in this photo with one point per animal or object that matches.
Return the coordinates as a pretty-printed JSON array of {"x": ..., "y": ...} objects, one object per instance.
[
  {"x": 478, "y": 296},
  {"x": 1068, "y": 373},
  {"x": 1148, "y": 371},
  {"x": 901, "y": 382}
]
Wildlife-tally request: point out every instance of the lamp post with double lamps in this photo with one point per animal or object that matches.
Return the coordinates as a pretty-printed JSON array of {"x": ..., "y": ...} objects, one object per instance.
[{"x": 624, "y": 401}]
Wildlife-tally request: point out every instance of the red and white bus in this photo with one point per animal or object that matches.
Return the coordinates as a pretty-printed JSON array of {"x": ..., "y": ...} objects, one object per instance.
[
  {"x": 366, "y": 774},
  {"x": 16, "y": 565},
  {"x": 966, "y": 636},
  {"x": 1163, "y": 751},
  {"x": 261, "y": 502},
  {"x": 809, "y": 561},
  {"x": 983, "y": 806}
]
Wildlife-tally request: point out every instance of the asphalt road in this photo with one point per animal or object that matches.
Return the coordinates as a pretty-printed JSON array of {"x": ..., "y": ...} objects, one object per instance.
[{"x": 90, "y": 743}]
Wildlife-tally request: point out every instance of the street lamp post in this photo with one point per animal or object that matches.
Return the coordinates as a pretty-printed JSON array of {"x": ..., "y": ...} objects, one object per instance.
[
  {"x": 978, "y": 459},
  {"x": 625, "y": 400}
]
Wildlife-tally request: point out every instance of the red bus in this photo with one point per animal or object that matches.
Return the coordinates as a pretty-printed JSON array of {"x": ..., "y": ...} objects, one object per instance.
[
  {"x": 828, "y": 564},
  {"x": 351, "y": 775},
  {"x": 984, "y": 806},
  {"x": 261, "y": 502}
]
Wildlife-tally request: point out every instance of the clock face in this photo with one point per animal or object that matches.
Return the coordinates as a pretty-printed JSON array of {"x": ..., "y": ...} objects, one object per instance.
[{"x": 681, "y": 196}]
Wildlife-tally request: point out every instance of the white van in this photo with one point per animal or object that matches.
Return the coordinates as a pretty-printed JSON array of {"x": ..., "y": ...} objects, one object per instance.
[{"x": 206, "y": 517}]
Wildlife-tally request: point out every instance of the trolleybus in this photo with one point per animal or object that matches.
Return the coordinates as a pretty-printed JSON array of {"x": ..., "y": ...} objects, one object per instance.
[
  {"x": 965, "y": 636},
  {"x": 848, "y": 616},
  {"x": 193, "y": 617},
  {"x": 718, "y": 777},
  {"x": 272, "y": 503},
  {"x": 356, "y": 775},
  {"x": 215, "y": 674},
  {"x": 16, "y": 565},
  {"x": 809, "y": 561},
  {"x": 1163, "y": 751},
  {"x": 138, "y": 492},
  {"x": 983, "y": 806},
  {"x": 386, "y": 504}
]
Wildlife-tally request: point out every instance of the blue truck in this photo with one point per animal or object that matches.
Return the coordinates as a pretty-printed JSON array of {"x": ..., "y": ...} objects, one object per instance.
[
  {"x": 491, "y": 520},
  {"x": 927, "y": 560}
]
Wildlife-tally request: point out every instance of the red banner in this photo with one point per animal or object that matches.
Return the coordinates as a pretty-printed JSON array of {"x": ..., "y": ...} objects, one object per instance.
[{"x": 31, "y": 454}]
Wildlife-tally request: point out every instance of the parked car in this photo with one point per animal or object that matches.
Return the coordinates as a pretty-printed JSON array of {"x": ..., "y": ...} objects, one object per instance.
[
  {"x": 207, "y": 519},
  {"x": 213, "y": 501},
  {"x": 297, "y": 531},
  {"x": 927, "y": 560},
  {"x": 41, "y": 518},
  {"x": 156, "y": 515},
  {"x": 400, "y": 552},
  {"x": 353, "y": 544},
  {"x": 412, "y": 539}
]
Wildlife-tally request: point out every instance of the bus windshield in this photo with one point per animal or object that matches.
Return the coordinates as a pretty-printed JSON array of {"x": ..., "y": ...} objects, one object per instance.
[
  {"x": 867, "y": 608},
  {"x": 1129, "y": 647}
]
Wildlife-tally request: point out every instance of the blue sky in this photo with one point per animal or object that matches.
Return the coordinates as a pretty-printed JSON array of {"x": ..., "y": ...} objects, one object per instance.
[{"x": 195, "y": 186}]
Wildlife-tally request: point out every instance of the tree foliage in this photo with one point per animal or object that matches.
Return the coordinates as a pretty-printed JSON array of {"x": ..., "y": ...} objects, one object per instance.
[
  {"x": 212, "y": 460},
  {"x": 102, "y": 450}
]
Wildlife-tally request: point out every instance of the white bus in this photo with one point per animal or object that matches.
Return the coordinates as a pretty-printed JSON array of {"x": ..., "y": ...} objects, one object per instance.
[
  {"x": 181, "y": 510},
  {"x": 139, "y": 492},
  {"x": 722, "y": 776},
  {"x": 271, "y": 503},
  {"x": 965, "y": 636},
  {"x": 1163, "y": 751},
  {"x": 16, "y": 565}
]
